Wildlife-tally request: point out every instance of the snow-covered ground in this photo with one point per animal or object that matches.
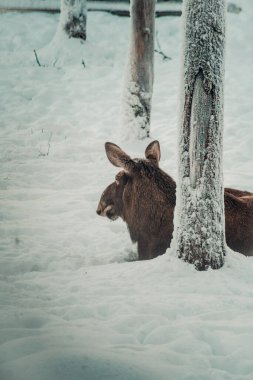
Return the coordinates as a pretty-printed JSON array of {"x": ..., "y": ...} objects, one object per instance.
[{"x": 73, "y": 304}]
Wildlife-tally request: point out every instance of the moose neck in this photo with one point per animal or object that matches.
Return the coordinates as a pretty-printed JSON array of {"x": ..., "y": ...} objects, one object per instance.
[{"x": 163, "y": 181}]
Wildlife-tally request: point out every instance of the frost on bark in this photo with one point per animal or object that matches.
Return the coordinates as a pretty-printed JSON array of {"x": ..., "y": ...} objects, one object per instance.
[
  {"x": 200, "y": 235},
  {"x": 73, "y": 18},
  {"x": 140, "y": 70}
]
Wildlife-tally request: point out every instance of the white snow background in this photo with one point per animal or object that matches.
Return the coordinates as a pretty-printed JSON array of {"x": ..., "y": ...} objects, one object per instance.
[{"x": 73, "y": 304}]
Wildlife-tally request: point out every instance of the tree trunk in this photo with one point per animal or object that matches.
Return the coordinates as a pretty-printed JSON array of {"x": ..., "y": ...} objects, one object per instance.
[
  {"x": 200, "y": 235},
  {"x": 73, "y": 18},
  {"x": 140, "y": 70}
]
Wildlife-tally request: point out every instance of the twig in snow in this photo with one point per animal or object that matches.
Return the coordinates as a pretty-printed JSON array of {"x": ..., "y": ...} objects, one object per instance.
[
  {"x": 41, "y": 154},
  {"x": 55, "y": 62},
  {"x": 83, "y": 63},
  {"x": 37, "y": 59},
  {"x": 159, "y": 50},
  {"x": 49, "y": 140}
]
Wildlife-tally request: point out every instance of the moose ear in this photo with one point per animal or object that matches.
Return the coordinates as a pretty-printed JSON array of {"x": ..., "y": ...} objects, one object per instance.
[
  {"x": 118, "y": 158},
  {"x": 153, "y": 152}
]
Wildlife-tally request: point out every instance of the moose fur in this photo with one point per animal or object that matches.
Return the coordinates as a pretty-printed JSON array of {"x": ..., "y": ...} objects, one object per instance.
[{"x": 144, "y": 196}]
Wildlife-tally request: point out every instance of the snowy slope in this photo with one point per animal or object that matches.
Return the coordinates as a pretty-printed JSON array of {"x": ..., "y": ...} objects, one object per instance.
[{"x": 73, "y": 306}]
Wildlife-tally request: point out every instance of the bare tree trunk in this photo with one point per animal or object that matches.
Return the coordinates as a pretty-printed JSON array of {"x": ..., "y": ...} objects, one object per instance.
[
  {"x": 73, "y": 18},
  {"x": 139, "y": 86},
  {"x": 200, "y": 235}
]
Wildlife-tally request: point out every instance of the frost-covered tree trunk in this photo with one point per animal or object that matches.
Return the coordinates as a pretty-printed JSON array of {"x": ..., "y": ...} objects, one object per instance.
[
  {"x": 200, "y": 205},
  {"x": 140, "y": 70},
  {"x": 73, "y": 18},
  {"x": 67, "y": 44}
]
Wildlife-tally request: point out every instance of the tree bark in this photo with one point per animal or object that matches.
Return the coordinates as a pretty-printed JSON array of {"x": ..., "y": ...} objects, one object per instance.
[
  {"x": 139, "y": 86},
  {"x": 200, "y": 235},
  {"x": 73, "y": 18}
]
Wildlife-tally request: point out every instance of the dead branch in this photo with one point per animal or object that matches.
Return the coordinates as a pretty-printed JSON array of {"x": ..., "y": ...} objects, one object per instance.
[{"x": 159, "y": 50}]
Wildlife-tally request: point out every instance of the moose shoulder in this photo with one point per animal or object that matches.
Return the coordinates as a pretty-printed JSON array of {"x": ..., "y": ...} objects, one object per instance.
[{"x": 144, "y": 196}]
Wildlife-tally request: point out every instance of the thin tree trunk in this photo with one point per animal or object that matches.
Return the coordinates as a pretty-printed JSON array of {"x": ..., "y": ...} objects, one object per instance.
[
  {"x": 73, "y": 18},
  {"x": 139, "y": 86},
  {"x": 200, "y": 235}
]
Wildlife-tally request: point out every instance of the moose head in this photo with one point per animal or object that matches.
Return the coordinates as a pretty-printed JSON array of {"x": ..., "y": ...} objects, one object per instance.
[{"x": 143, "y": 196}]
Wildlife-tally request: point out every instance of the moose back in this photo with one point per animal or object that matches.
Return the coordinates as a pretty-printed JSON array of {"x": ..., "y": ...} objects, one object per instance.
[{"x": 144, "y": 196}]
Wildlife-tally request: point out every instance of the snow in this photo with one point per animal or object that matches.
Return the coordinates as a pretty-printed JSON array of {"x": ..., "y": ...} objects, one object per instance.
[{"x": 73, "y": 305}]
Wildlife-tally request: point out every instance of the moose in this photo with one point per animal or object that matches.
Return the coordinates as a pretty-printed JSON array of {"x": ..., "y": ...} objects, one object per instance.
[{"x": 144, "y": 196}]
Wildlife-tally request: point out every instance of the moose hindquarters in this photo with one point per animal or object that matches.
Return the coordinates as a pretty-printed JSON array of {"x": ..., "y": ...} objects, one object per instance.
[{"x": 239, "y": 224}]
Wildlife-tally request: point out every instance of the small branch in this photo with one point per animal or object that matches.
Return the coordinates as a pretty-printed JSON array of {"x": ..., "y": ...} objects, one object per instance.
[
  {"x": 56, "y": 59},
  {"x": 41, "y": 154},
  {"x": 49, "y": 140},
  {"x": 37, "y": 59},
  {"x": 159, "y": 50},
  {"x": 165, "y": 57}
]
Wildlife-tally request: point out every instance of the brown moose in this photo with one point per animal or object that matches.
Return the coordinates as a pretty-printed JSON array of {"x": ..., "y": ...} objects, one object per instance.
[{"x": 144, "y": 196}]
